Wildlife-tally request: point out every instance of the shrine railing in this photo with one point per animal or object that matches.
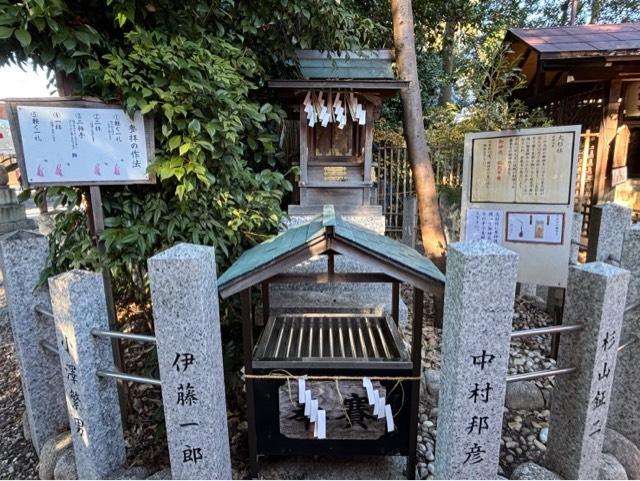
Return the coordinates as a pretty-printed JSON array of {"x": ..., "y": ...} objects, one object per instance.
[
  {"x": 113, "y": 373},
  {"x": 395, "y": 179}
]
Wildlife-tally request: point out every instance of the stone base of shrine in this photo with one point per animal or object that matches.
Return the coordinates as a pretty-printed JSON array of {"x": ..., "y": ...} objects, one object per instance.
[{"x": 354, "y": 296}]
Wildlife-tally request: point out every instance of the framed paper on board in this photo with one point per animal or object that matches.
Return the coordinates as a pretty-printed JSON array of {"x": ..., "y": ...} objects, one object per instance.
[
  {"x": 70, "y": 141},
  {"x": 518, "y": 191}
]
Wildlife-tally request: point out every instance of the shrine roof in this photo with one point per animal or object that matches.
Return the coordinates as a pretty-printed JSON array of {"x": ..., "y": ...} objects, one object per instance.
[
  {"x": 368, "y": 71},
  {"x": 367, "y": 64},
  {"x": 580, "y": 40},
  {"x": 328, "y": 232}
]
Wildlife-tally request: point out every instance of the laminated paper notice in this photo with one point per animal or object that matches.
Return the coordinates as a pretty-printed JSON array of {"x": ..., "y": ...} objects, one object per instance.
[
  {"x": 529, "y": 169},
  {"x": 533, "y": 227},
  {"x": 484, "y": 224},
  {"x": 63, "y": 145}
]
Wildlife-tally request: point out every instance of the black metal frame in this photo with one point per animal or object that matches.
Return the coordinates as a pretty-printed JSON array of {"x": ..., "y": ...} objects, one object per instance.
[{"x": 263, "y": 432}]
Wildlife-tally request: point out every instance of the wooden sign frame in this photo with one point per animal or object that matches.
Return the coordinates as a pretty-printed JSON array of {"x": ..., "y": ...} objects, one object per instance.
[
  {"x": 544, "y": 264},
  {"x": 71, "y": 102},
  {"x": 92, "y": 194}
]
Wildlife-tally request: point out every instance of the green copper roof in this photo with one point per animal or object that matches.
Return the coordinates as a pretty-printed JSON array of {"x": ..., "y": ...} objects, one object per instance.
[
  {"x": 271, "y": 249},
  {"x": 388, "y": 248},
  {"x": 368, "y": 64},
  {"x": 330, "y": 225}
]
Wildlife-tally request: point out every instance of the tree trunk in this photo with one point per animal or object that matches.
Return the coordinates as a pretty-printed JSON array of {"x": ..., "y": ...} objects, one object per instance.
[
  {"x": 433, "y": 238},
  {"x": 564, "y": 19},
  {"x": 447, "y": 63},
  {"x": 596, "y": 8},
  {"x": 574, "y": 12}
]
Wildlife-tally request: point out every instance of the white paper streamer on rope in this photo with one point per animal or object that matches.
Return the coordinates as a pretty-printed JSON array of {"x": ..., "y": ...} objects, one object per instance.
[
  {"x": 333, "y": 108},
  {"x": 301, "y": 390},
  {"x": 322, "y": 424}
]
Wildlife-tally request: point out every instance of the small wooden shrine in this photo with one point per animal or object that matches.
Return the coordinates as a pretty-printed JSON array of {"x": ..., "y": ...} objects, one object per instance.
[
  {"x": 336, "y": 102},
  {"x": 323, "y": 381}
]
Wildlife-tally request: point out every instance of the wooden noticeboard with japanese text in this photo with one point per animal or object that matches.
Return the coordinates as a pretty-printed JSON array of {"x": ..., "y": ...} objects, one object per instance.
[
  {"x": 84, "y": 142},
  {"x": 70, "y": 141},
  {"x": 518, "y": 191}
]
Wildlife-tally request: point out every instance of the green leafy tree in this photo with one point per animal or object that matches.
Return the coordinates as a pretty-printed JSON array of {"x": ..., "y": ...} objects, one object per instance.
[
  {"x": 200, "y": 69},
  {"x": 553, "y": 13}
]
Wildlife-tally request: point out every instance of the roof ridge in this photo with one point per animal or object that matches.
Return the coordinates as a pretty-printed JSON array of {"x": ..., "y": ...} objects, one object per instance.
[
  {"x": 328, "y": 215},
  {"x": 587, "y": 25}
]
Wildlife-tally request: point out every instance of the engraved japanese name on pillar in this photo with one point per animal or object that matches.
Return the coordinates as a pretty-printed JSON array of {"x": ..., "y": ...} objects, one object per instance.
[
  {"x": 187, "y": 325},
  {"x": 596, "y": 295},
  {"x": 79, "y": 305},
  {"x": 478, "y": 310}
]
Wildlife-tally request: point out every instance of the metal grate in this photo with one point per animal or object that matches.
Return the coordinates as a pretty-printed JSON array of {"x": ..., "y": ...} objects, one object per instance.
[{"x": 330, "y": 338}]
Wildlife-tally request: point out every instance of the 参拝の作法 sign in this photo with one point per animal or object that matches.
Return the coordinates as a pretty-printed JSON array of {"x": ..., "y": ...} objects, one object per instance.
[{"x": 80, "y": 143}]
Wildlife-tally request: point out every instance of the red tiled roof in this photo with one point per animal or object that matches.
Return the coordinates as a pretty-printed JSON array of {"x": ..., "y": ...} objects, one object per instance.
[{"x": 590, "y": 39}]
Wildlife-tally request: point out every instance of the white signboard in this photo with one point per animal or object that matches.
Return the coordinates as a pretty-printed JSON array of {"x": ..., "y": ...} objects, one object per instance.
[
  {"x": 518, "y": 191},
  {"x": 6, "y": 144},
  {"x": 79, "y": 142},
  {"x": 522, "y": 169},
  {"x": 535, "y": 228},
  {"x": 618, "y": 175},
  {"x": 484, "y": 224}
]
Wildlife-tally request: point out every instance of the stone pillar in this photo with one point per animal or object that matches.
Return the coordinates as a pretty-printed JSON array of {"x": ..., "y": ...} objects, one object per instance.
[
  {"x": 79, "y": 306},
  {"x": 409, "y": 221},
  {"x": 187, "y": 323},
  {"x": 607, "y": 225},
  {"x": 624, "y": 413},
  {"x": 23, "y": 255},
  {"x": 12, "y": 212},
  {"x": 576, "y": 238},
  {"x": 595, "y": 298},
  {"x": 478, "y": 311}
]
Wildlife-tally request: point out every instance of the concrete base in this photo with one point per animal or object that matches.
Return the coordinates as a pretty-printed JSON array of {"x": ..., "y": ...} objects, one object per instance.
[
  {"x": 372, "y": 221},
  {"x": 343, "y": 295},
  {"x": 361, "y": 467},
  {"x": 355, "y": 296},
  {"x": 354, "y": 210},
  {"x": 23, "y": 224},
  {"x": 338, "y": 298}
]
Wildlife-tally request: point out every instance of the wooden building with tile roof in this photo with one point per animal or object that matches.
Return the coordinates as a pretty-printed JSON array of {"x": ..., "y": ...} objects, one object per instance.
[{"x": 589, "y": 75}]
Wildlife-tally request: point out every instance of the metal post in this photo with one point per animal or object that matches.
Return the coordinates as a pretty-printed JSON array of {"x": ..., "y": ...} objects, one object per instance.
[
  {"x": 96, "y": 227},
  {"x": 247, "y": 344},
  {"x": 546, "y": 330},
  {"x": 265, "y": 303},
  {"x": 121, "y": 376},
  {"x": 527, "y": 376},
  {"x": 395, "y": 301},
  {"x": 124, "y": 335},
  {"x": 416, "y": 359}
]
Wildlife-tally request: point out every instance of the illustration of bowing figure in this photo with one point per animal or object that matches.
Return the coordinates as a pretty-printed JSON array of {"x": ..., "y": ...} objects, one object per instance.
[
  {"x": 59, "y": 170},
  {"x": 96, "y": 170}
]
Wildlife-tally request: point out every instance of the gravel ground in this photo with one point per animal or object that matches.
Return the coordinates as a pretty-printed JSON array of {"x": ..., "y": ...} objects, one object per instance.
[
  {"x": 524, "y": 433},
  {"x": 18, "y": 459}
]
